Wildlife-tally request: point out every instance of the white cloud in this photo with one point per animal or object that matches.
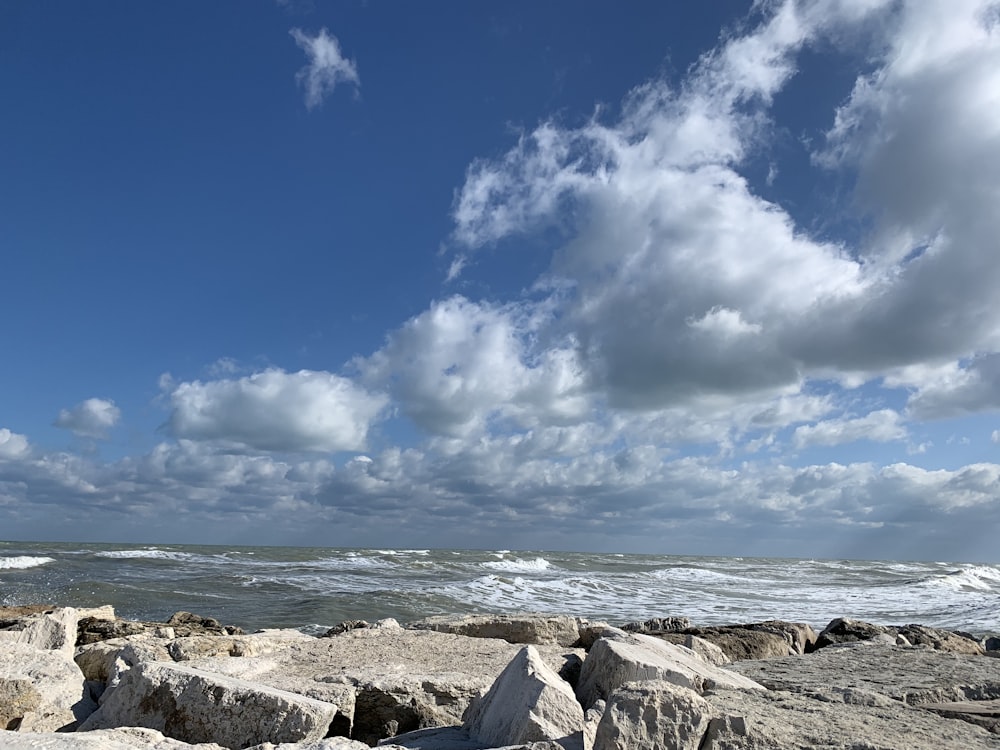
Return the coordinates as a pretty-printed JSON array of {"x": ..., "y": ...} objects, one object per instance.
[
  {"x": 276, "y": 410},
  {"x": 879, "y": 426},
  {"x": 460, "y": 364},
  {"x": 995, "y": 437},
  {"x": 13, "y": 445},
  {"x": 959, "y": 388},
  {"x": 92, "y": 418},
  {"x": 327, "y": 66}
]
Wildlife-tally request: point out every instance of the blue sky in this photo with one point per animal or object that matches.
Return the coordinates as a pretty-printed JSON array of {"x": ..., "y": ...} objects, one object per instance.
[{"x": 714, "y": 279}]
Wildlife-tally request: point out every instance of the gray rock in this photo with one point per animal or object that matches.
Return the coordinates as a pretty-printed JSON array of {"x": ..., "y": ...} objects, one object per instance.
[
  {"x": 53, "y": 630},
  {"x": 330, "y": 743},
  {"x": 845, "y": 630},
  {"x": 740, "y": 643},
  {"x": 707, "y": 650},
  {"x": 195, "y": 706},
  {"x": 528, "y": 702},
  {"x": 651, "y": 716},
  {"x": 620, "y": 657},
  {"x": 832, "y": 719},
  {"x": 908, "y": 674},
  {"x": 527, "y": 628},
  {"x": 658, "y": 625}
]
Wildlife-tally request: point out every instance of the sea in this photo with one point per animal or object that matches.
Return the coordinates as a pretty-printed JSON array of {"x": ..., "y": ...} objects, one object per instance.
[{"x": 315, "y": 588}]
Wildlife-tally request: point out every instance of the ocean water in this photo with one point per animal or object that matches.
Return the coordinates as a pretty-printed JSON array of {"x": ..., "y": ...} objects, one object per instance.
[{"x": 315, "y": 588}]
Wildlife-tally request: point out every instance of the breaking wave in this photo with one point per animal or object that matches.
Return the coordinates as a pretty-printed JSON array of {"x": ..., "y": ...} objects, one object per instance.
[{"x": 21, "y": 562}]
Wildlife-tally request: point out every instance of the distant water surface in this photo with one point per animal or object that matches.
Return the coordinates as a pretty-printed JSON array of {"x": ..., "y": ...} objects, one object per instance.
[{"x": 314, "y": 588}]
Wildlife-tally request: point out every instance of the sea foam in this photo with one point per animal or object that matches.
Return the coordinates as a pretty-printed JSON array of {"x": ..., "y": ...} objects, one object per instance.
[{"x": 20, "y": 562}]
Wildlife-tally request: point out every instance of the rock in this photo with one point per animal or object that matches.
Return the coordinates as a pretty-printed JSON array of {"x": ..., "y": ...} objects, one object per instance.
[
  {"x": 831, "y": 718},
  {"x": 707, "y": 650},
  {"x": 41, "y": 691},
  {"x": 982, "y": 713},
  {"x": 991, "y": 643},
  {"x": 330, "y": 743},
  {"x": 344, "y": 626},
  {"x": 186, "y": 624},
  {"x": 902, "y": 673},
  {"x": 203, "y": 646},
  {"x": 528, "y": 702},
  {"x": 12, "y": 616},
  {"x": 53, "y": 630},
  {"x": 651, "y": 716},
  {"x": 94, "y": 630},
  {"x": 399, "y": 680},
  {"x": 125, "y": 738},
  {"x": 844, "y": 630},
  {"x": 530, "y": 628},
  {"x": 658, "y": 625},
  {"x": 104, "y": 661},
  {"x": 194, "y": 706},
  {"x": 620, "y": 657},
  {"x": 17, "y": 698},
  {"x": 590, "y": 631},
  {"x": 740, "y": 643}
]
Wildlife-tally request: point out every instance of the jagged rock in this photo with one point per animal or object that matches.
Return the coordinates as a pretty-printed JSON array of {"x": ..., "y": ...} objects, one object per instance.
[
  {"x": 991, "y": 643},
  {"x": 195, "y": 706},
  {"x": 843, "y": 718},
  {"x": 46, "y": 691},
  {"x": 53, "y": 630},
  {"x": 908, "y": 674},
  {"x": 528, "y": 628},
  {"x": 187, "y": 624},
  {"x": 590, "y": 631},
  {"x": 651, "y": 716},
  {"x": 400, "y": 680},
  {"x": 344, "y": 626},
  {"x": 619, "y": 657},
  {"x": 124, "y": 738},
  {"x": 104, "y": 661},
  {"x": 330, "y": 743},
  {"x": 204, "y": 646},
  {"x": 12, "y": 616},
  {"x": 658, "y": 625},
  {"x": 845, "y": 630},
  {"x": 528, "y": 702},
  {"x": 454, "y": 738},
  {"x": 94, "y": 630}
]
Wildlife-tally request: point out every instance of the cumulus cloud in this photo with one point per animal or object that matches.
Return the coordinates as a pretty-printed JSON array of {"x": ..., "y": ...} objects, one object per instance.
[
  {"x": 879, "y": 426},
  {"x": 957, "y": 389},
  {"x": 462, "y": 363},
  {"x": 12, "y": 445},
  {"x": 92, "y": 418},
  {"x": 327, "y": 66},
  {"x": 276, "y": 410},
  {"x": 686, "y": 283}
]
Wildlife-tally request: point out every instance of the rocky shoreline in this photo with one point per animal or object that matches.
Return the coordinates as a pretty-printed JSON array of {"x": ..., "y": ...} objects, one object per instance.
[{"x": 74, "y": 678}]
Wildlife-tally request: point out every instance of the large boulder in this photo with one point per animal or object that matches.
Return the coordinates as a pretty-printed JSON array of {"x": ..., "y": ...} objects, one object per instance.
[
  {"x": 526, "y": 628},
  {"x": 194, "y": 706},
  {"x": 653, "y": 715},
  {"x": 620, "y": 657},
  {"x": 528, "y": 702},
  {"x": 386, "y": 681},
  {"x": 40, "y": 690}
]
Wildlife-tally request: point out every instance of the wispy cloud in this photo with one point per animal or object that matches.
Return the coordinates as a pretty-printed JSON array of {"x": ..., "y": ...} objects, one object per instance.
[{"x": 327, "y": 66}]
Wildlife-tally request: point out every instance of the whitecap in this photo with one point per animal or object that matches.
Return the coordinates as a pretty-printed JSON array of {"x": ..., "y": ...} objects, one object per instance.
[
  {"x": 146, "y": 554},
  {"x": 20, "y": 562},
  {"x": 518, "y": 565}
]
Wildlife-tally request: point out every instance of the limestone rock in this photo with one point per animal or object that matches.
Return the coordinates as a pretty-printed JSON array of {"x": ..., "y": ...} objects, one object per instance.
[
  {"x": 45, "y": 691},
  {"x": 829, "y": 718},
  {"x": 740, "y": 643},
  {"x": 330, "y": 743},
  {"x": 125, "y": 738},
  {"x": 195, "y": 706},
  {"x": 528, "y": 628},
  {"x": 621, "y": 657},
  {"x": 653, "y": 715},
  {"x": 528, "y": 702},
  {"x": 707, "y": 650},
  {"x": 982, "y": 713},
  {"x": 908, "y": 674},
  {"x": 53, "y": 630},
  {"x": 386, "y": 681}
]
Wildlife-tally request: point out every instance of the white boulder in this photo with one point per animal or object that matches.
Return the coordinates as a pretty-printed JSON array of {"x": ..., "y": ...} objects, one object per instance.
[
  {"x": 653, "y": 715},
  {"x": 528, "y": 702}
]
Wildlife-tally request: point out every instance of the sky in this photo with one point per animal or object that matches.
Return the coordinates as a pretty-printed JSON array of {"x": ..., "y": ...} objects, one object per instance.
[{"x": 681, "y": 278}]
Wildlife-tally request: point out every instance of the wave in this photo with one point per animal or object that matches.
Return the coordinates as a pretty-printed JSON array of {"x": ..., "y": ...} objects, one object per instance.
[
  {"x": 146, "y": 554},
  {"x": 21, "y": 562},
  {"x": 977, "y": 577},
  {"x": 517, "y": 565}
]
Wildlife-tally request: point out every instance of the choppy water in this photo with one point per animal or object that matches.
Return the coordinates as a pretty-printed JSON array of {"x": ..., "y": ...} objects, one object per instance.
[{"x": 314, "y": 588}]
